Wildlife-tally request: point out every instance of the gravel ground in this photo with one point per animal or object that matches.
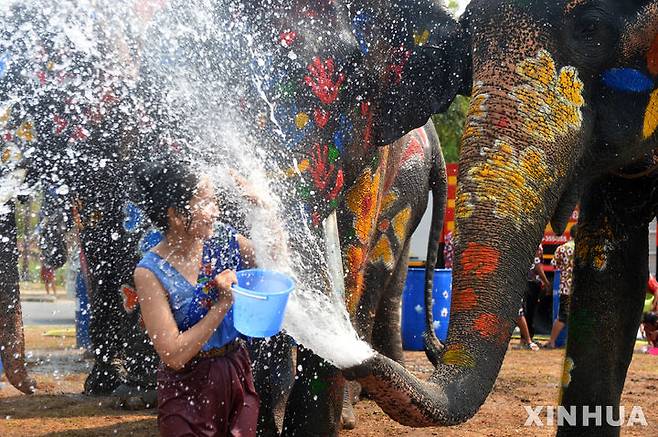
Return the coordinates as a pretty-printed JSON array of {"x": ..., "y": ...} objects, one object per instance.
[{"x": 527, "y": 378}]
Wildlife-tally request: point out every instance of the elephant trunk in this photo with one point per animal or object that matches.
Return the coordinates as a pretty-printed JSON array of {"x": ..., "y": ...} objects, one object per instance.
[
  {"x": 510, "y": 181},
  {"x": 12, "y": 341}
]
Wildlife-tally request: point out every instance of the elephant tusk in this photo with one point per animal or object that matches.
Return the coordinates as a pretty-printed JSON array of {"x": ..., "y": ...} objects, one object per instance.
[{"x": 333, "y": 254}]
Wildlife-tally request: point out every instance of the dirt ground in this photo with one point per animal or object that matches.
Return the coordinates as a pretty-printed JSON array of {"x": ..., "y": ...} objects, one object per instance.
[{"x": 527, "y": 378}]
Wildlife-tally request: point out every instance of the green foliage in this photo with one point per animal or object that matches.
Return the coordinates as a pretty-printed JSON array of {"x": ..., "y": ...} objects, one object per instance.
[
  {"x": 450, "y": 126},
  {"x": 452, "y": 5}
]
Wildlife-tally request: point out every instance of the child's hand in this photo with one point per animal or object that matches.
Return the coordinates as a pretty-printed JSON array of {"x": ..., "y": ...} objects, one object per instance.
[{"x": 223, "y": 282}]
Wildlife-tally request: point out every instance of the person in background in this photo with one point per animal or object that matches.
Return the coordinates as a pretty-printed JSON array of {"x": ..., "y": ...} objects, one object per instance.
[
  {"x": 47, "y": 275},
  {"x": 537, "y": 282},
  {"x": 448, "y": 250},
  {"x": 652, "y": 288},
  {"x": 650, "y": 328},
  {"x": 205, "y": 382},
  {"x": 526, "y": 339},
  {"x": 563, "y": 261}
]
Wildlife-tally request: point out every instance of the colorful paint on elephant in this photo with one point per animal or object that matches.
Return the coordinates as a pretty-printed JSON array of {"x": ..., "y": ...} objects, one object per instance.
[
  {"x": 514, "y": 182},
  {"x": 457, "y": 355},
  {"x": 465, "y": 300},
  {"x": 550, "y": 101},
  {"x": 593, "y": 248},
  {"x": 380, "y": 219},
  {"x": 492, "y": 327},
  {"x": 566, "y": 372},
  {"x": 365, "y": 200},
  {"x": 632, "y": 80},
  {"x": 651, "y": 113},
  {"x": 477, "y": 112},
  {"x": 479, "y": 259}
]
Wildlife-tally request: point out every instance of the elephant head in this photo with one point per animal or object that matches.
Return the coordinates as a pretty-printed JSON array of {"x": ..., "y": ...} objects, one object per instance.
[{"x": 563, "y": 93}]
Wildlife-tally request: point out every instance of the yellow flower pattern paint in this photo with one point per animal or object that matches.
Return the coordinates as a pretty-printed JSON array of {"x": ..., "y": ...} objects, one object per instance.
[
  {"x": 551, "y": 101},
  {"x": 566, "y": 371},
  {"x": 509, "y": 179}
]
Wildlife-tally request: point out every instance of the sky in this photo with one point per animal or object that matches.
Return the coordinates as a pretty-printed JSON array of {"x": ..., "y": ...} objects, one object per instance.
[{"x": 462, "y": 6}]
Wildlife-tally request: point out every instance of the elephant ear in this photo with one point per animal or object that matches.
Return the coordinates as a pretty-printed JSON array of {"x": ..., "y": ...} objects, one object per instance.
[{"x": 419, "y": 53}]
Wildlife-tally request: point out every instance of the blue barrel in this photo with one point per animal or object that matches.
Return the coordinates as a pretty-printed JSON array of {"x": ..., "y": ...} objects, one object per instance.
[
  {"x": 82, "y": 338},
  {"x": 561, "y": 339},
  {"x": 413, "y": 307}
]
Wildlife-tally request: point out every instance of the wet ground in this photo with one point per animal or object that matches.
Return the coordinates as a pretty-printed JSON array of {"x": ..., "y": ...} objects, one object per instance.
[{"x": 527, "y": 378}]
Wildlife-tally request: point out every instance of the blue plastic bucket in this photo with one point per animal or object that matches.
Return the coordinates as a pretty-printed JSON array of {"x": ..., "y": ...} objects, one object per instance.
[
  {"x": 413, "y": 307},
  {"x": 260, "y": 300},
  {"x": 561, "y": 339}
]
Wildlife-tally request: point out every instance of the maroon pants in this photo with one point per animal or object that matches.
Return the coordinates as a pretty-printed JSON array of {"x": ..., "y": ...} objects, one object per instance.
[{"x": 212, "y": 397}]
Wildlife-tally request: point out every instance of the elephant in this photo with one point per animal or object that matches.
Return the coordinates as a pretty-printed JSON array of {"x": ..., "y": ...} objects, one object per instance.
[
  {"x": 381, "y": 208},
  {"x": 380, "y": 212},
  {"x": 563, "y": 110},
  {"x": 63, "y": 134}
]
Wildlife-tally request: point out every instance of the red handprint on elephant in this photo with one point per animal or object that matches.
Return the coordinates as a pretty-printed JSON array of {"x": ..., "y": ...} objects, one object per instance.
[
  {"x": 322, "y": 172},
  {"x": 321, "y": 80}
]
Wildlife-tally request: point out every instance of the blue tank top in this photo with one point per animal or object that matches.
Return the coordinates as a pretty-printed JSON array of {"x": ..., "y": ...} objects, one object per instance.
[{"x": 190, "y": 302}]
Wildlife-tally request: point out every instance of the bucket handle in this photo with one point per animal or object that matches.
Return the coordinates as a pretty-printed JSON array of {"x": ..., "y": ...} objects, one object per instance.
[{"x": 242, "y": 292}]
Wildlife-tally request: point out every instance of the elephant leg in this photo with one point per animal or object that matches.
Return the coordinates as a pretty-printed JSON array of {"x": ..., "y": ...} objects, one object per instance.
[
  {"x": 141, "y": 364},
  {"x": 610, "y": 275},
  {"x": 12, "y": 340},
  {"x": 273, "y": 377},
  {"x": 105, "y": 331},
  {"x": 111, "y": 263},
  {"x": 384, "y": 331},
  {"x": 315, "y": 403},
  {"x": 386, "y": 336}
]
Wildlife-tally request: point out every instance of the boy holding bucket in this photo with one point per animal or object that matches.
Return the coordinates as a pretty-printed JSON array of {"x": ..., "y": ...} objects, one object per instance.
[{"x": 205, "y": 384}]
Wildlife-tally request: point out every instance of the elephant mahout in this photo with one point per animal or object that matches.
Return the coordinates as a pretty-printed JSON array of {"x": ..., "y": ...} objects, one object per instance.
[{"x": 563, "y": 110}]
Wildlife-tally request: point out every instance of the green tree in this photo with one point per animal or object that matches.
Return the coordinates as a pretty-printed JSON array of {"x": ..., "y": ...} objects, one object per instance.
[{"x": 450, "y": 126}]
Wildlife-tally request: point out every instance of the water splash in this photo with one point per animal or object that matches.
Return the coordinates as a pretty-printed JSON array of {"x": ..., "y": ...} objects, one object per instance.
[{"x": 182, "y": 55}]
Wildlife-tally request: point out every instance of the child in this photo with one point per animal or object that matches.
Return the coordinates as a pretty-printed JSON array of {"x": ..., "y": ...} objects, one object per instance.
[
  {"x": 650, "y": 328},
  {"x": 205, "y": 384}
]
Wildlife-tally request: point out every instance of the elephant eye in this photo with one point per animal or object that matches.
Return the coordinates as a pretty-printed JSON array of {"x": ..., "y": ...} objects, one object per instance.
[{"x": 588, "y": 28}]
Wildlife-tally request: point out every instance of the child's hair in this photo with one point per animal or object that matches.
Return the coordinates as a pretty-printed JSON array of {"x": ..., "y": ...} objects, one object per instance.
[
  {"x": 163, "y": 185},
  {"x": 650, "y": 318},
  {"x": 573, "y": 231}
]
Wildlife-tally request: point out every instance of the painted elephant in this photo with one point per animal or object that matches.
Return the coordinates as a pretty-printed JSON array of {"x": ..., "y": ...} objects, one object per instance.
[
  {"x": 382, "y": 206},
  {"x": 63, "y": 127},
  {"x": 563, "y": 110},
  {"x": 380, "y": 212}
]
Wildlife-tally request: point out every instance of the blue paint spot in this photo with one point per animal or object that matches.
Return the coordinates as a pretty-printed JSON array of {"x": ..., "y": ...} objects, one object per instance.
[
  {"x": 627, "y": 79},
  {"x": 134, "y": 217},
  {"x": 343, "y": 135},
  {"x": 359, "y": 23},
  {"x": 285, "y": 116},
  {"x": 4, "y": 64}
]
